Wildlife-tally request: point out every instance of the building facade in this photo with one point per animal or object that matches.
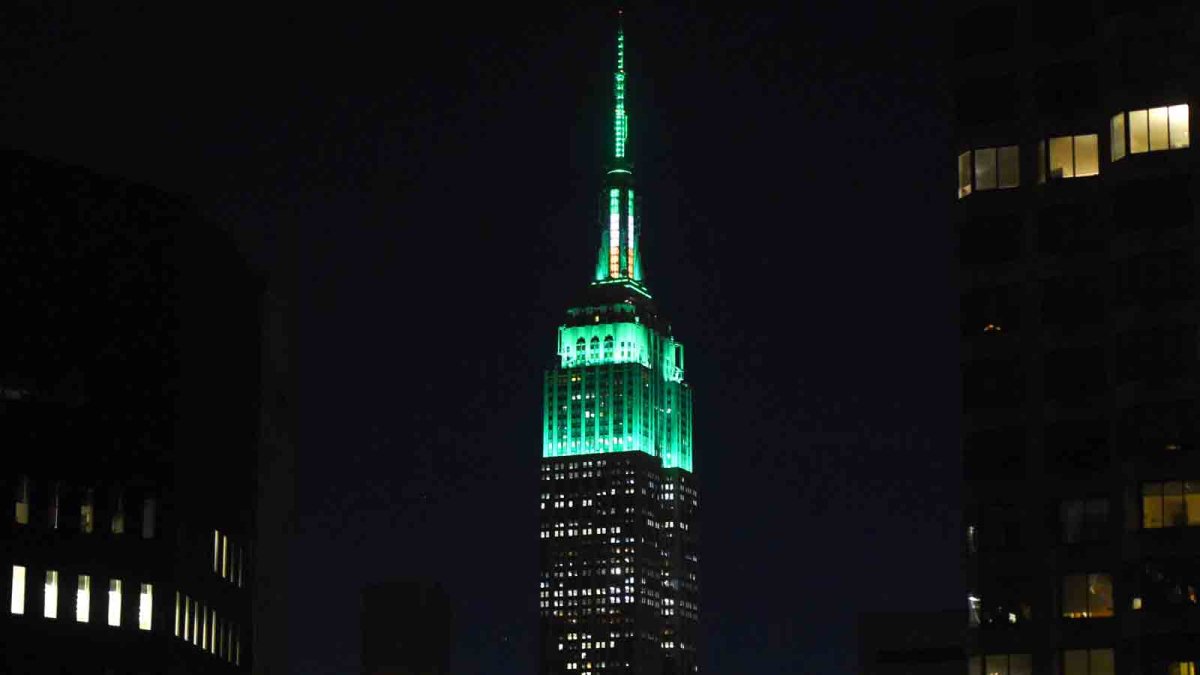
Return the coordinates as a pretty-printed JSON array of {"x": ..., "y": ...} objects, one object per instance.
[
  {"x": 1078, "y": 247},
  {"x": 129, "y": 419},
  {"x": 619, "y": 588}
]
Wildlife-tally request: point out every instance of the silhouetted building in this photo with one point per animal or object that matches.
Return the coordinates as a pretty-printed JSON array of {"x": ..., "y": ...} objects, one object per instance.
[
  {"x": 407, "y": 629},
  {"x": 129, "y": 421},
  {"x": 912, "y": 643},
  {"x": 619, "y": 586},
  {"x": 1076, "y": 218}
]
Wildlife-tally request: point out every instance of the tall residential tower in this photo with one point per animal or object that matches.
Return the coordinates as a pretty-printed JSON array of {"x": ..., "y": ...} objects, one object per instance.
[
  {"x": 1079, "y": 251},
  {"x": 619, "y": 586}
]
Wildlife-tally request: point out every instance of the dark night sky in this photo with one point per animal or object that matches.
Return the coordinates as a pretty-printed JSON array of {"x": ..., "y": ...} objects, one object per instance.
[{"x": 423, "y": 184}]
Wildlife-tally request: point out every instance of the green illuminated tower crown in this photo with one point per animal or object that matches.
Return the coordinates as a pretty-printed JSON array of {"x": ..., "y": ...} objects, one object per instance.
[{"x": 619, "y": 382}]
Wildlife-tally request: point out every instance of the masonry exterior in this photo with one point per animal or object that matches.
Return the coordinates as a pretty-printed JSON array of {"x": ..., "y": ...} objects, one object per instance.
[{"x": 619, "y": 585}]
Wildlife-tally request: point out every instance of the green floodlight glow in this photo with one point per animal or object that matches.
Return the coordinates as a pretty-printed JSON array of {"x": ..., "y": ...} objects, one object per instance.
[{"x": 619, "y": 385}]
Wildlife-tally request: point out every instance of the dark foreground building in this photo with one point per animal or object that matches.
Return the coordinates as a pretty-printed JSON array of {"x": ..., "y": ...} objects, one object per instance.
[
  {"x": 1076, "y": 216},
  {"x": 912, "y": 643},
  {"x": 407, "y": 629},
  {"x": 619, "y": 587},
  {"x": 129, "y": 422}
]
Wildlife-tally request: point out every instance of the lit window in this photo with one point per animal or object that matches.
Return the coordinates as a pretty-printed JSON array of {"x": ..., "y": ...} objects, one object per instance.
[
  {"x": 1000, "y": 664},
  {"x": 224, "y": 557},
  {"x": 87, "y": 511},
  {"x": 1071, "y": 156},
  {"x": 114, "y": 602},
  {"x": 216, "y": 550},
  {"x": 1116, "y": 130},
  {"x": 22, "y": 511},
  {"x": 145, "y": 606},
  {"x": 50, "y": 595},
  {"x": 187, "y": 619},
  {"x": 204, "y": 628},
  {"x": 83, "y": 598},
  {"x": 1088, "y": 662},
  {"x": 1150, "y": 130},
  {"x": 988, "y": 169},
  {"x": 1087, "y": 596},
  {"x": 195, "y": 622},
  {"x": 17, "y": 606},
  {"x": 176, "y": 613},
  {"x": 1170, "y": 504},
  {"x": 1182, "y": 668},
  {"x": 148, "y": 513}
]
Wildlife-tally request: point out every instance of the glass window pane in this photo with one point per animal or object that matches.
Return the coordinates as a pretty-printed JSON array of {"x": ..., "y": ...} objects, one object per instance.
[
  {"x": 1061, "y": 163},
  {"x": 1041, "y": 162},
  {"x": 985, "y": 169},
  {"x": 1087, "y": 155},
  {"x": 114, "y": 602},
  {"x": 50, "y": 595},
  {"x": 1191, "y": 498},
  {"x": 1116, "y": 128},
  {"x": 17, "y": 604},
  {"x": 1075, "y": 662},
  {"x": 964, "y": 174},
  {"x": 1020, "y": 664},
  {"x": 83, "y": 598},
  {"x": 145, "y": 606},
  {"x": 1158, "y": 129},
  {"x": 1010, "y": 166},
  {"x": 1139, "y": 131},
  {"x": 1102, "y": 662},
  {"x": 1179, "y": 126},
  {"x": 1152, "y": 510},
  {"x": 996, "y": 664},
  {"x": 1100, "y": 595},
  {"x": 1074, "y": 594},
  {"x": 1173, "y": 514},
  {"x": 1072, "y": 521}
]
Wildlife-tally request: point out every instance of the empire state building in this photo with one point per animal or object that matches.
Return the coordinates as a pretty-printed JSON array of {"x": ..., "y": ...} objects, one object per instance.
[{"x": 619, "y": 584}]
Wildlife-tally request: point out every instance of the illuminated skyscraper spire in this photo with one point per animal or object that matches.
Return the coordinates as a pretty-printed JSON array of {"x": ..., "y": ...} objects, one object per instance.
[
  {"x": 619, "y": 259},
  {"x": 620, "y": 121}
]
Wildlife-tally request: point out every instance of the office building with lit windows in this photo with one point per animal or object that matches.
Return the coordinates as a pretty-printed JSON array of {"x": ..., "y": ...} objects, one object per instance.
[
  {"x": 619, "y": 584},
  {"x": 129, "y": 417},
  {"x": 1075, "y": 212}
]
